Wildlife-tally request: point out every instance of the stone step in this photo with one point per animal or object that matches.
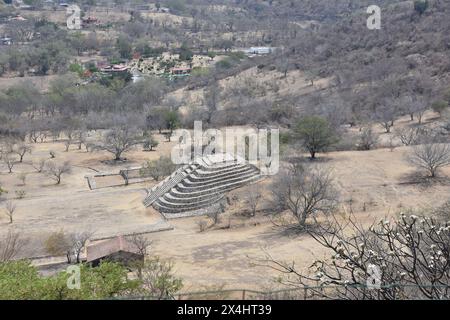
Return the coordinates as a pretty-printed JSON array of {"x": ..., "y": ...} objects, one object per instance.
[
  {"x": 164, "y": 186},
  {"x": 187, "y": 187},
  {"x": 170, "y": 197},
  {"x": 200, "y": 185},
  {"x": 206, "y": 173},
  {"x": 220, "y": 188},
  {"x": 220, "y": 166},
  {"x": 194, "y": 178},
  {"x": 168, "y": 207}
]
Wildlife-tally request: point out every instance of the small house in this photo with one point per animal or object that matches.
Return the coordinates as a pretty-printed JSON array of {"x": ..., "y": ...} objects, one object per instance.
[
  {"x": 181, "y": 71},
  {"x": 260, "y": 50},
  {"x": 5, "y": 41},
  {"x": 113, "y": 250},
  {"x": 114, "y": 68}
]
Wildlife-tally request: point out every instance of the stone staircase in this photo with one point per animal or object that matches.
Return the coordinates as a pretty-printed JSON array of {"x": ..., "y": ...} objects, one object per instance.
[{"x": 194, "y": 188}]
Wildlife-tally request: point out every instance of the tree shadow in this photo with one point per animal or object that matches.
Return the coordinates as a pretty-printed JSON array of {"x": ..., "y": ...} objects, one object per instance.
[
  {"x": 289, "y": 230},
  {"x": 308, "y": 160},
  {"x": 423, "y": 181},
  {"x": 111, "y": 162}
]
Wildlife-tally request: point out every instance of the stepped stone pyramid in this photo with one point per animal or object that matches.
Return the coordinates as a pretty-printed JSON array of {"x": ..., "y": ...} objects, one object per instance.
[{"x": 200, "y": 185}]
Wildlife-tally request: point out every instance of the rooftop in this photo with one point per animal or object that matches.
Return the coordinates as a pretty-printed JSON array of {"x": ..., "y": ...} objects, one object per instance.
[{"x": 107, "y": 247}]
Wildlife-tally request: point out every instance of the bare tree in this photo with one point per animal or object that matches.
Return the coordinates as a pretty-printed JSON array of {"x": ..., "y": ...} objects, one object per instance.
[
  {"x": 403, "y": 259},
  {"x": 212, "y": 98},
  {"x": 408, "y": 136},
  {"x": 55, "y": 171},
  {"x": 430, "y": 156},
  {"x": 9, "y": 161},
  {"x": 81, "y": 138},
  {"x": 385, "y": 115},
  {"x": 11, "y": 245},
  {"x": 21, "y": 149},
  {"x": 141, "y": 243},
  {"x": 119, "y": 140},
  {"x": 69, "y": 138},
  {"x": 77, "y": 242},
  {"x": 10, "y": 208},
  {"x": 415, "y": 105},
  {"x": 23, "y": 177},
  {"x": 157, "y": 278},
  {"x": 214, "y": 213},
  {"x": 253, "y": 198},
  {"x": 367, "y": 139},
  {"x": 39, "y": 165},
  {"x": 304, "y": 191}
]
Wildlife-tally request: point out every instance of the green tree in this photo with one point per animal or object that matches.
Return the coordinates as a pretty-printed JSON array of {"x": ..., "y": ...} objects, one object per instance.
[
  {"x": 57, "y": 244},
  {"x": 124, "y": 47},
  {"x": 21, "y": 281},
  {"x": 149, "y": 142},
  {"x": 315, "y": 134},
  {"x": 421, "y": 6},
  {"x": 156, "y": 169},
  {"x": 2, "y": 191},
  {"x": 172, "y": 121},
  {"x": 439, "y": 106},
  {"x": 185, "y": 53},
  {"x": 77, "y": 68},
  {"x": 106, "y": 281}
]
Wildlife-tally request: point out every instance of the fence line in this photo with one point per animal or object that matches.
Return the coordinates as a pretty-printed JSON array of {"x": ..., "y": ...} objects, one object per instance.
[{"x": 242, "y": 294}]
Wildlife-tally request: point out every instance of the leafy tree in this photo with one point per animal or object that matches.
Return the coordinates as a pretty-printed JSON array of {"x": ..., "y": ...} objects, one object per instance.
[
  {"x": 77, "y": 68},
  {"x": 439, "y": 106},
  {"x": 119, "y": 140},
  {"x": 21, "y": 281},
  {"x": 124, "y": 47},
  {"x": 57, "y": 244},
  {"x": 315, "y": 134},
  {"x": 421, "y": 6},
  {"x": 149, "y": 142},
  {"x": 2, "y": 191},
  {"x": 156, "y": 169},
  {"x": 172, "y": 120},
  {"x": 185, "y": 54}
]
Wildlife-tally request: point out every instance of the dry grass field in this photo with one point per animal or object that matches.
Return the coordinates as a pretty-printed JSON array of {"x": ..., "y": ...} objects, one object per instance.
[{"x": 372, "y": 184}]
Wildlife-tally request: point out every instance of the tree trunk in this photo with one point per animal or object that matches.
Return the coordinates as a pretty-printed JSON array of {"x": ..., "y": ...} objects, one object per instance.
[{"x": 302, "y": 220}]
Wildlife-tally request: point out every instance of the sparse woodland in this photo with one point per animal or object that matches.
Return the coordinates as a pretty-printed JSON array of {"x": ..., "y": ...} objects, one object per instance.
[{"x": 335, "y": 89}]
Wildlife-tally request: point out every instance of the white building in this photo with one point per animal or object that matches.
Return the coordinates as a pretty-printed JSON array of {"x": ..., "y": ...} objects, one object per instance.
[{"x": 260, "y": 50}]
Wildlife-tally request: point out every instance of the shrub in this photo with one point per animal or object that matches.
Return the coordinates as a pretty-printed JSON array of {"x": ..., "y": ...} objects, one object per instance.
[
  {"x": 439, "y": 106},
  {"x": 421, "y": 6}
]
